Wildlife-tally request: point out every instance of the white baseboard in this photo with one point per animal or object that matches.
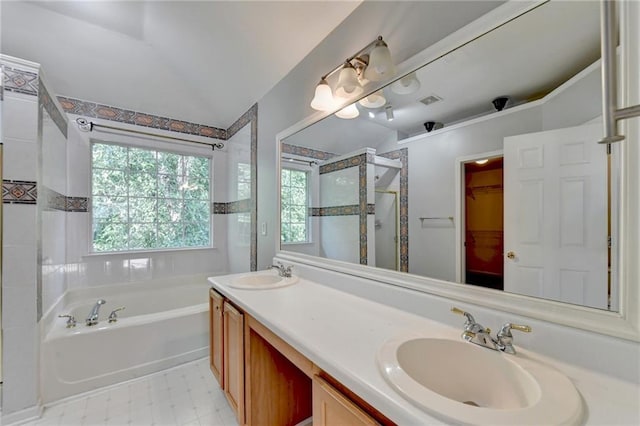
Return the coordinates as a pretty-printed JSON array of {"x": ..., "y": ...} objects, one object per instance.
[{"x": 22, "y": 416}]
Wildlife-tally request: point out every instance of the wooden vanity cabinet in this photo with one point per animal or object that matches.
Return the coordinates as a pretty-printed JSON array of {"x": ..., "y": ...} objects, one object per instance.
[
  {"x": 216, "y": 335},
  {"x": 331, "y": 407},
  {"x": 233, "y": 359},
  {"x": 267, "y": 382}
]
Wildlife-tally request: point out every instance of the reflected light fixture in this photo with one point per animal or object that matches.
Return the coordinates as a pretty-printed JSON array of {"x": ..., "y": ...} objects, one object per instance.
[
  {"x": 389, "y": 111},
  {"x": 350, "y": 111},
  {"x": 371, "y": 114},
  {"x": 406, "y": 85},
  {"x": 374, "y": 100},
  {"x": 371, "y": 63},
  {"x": 483, "y": 161}
]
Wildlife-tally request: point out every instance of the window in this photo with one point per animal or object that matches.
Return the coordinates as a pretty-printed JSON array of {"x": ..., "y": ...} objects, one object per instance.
[
  {"x": 294, "y": 184},
  {"x": 144, "y": 199}
]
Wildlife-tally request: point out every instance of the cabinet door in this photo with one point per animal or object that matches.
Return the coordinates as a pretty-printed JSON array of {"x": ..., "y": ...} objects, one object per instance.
[
  {"x": 215, "y": 336},
  {"x": 233, "y": 359},
  {"x": 331, "y": 407}
]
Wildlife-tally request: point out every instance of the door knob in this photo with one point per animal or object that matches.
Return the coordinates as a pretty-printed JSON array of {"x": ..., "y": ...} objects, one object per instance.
[{"x": 511, "y": 255}]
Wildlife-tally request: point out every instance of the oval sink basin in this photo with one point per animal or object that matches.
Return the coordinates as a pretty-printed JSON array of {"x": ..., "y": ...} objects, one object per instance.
[
  {"x": 261, "y": 281},
  {"x": 465, "y": 383}
]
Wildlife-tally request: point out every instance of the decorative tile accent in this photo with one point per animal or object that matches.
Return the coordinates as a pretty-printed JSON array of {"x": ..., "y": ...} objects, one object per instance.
[
  {"x": 241, "y": 206},
  {"x": 96, "y": 110},
  {"x": 77, "y": 204},
  {"x": 306, "y": 152},
  {"x": 56, "y": 115},
  {"x": 350, "y": 210},
  {"x": 254, "y": 187},
  {"x": 53, "y": 200},
  {"x": 245, "y": 119},
  {"x": 19, "y": 192},
  {"x": 371, "y": 209},
  {"x": 20, "y": 81},
  {"x": 362, "y": 177},
  {"x": 220, "y": 208},
  {"x": 403, "y": 156},
  {"x": 346, "y": 163}
]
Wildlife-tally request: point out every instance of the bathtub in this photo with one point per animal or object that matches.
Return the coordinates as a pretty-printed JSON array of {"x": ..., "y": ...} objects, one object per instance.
[{"x": 164, "y": 324}]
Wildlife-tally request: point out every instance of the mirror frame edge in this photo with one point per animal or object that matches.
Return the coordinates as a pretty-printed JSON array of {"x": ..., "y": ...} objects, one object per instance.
[{"x": 624, "y": 324}]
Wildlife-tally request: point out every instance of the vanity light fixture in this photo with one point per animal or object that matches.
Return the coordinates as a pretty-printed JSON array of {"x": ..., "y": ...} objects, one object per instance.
[
  {"x": 389, "y": 111},
  {"x": 323, "y": 99},
  {"x": 348, "y": 112},
  {"x": 374, "y": 100},
  {"x": 406, "y": 85},
  {"x": 371, "y": 63},
  {"x": 483, "y": 161}
]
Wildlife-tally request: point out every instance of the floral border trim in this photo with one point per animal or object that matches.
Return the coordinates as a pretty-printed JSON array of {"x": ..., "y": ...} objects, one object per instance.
[
  {"x": 19, "y": 192},
  {"x": 106, "y": 112},
  {"x": 355, "y": 161},
  {"x": 53, "y": 200},
  {"x": 403, "y": 156},
  {"x": 350, "y": 210},
  {"x": 306, "y": 152},
  {"x": 246, "y": 118},
  {"x": 49, "y": 105},
  {"x": 20, "y": 81}
]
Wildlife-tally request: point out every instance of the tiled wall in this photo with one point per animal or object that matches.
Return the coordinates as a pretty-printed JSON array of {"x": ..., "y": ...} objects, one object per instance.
[{"x": 20, "y": 248}]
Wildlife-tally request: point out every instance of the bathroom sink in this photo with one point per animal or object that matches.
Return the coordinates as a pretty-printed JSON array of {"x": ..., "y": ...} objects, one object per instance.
[
  {"x": 464, "y": 383},
  {"x": 262, "y": 280}
]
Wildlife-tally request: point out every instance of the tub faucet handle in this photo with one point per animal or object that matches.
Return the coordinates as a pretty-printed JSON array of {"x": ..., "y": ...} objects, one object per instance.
[
  {"x": 113, "y": 316},
  {"x": 71, "y": 321}
]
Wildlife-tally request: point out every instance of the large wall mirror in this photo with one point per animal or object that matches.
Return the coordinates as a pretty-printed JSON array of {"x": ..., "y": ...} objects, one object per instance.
[{"x": 438, "y": 177}]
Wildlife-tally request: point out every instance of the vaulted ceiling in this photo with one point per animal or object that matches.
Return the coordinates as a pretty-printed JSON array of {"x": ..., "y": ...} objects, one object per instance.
[{"x": 199, "y": 61}]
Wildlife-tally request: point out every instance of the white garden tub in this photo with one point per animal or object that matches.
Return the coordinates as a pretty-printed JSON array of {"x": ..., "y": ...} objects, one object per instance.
[{"x": 164, "y": 323}]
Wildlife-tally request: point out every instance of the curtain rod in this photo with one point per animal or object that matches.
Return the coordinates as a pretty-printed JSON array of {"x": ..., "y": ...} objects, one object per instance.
[
  {"x": 309, "y": 162},
  {"x": 88, "y": 126}
]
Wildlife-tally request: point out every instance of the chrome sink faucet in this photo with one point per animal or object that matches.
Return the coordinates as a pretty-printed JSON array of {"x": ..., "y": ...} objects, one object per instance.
[
  {"x": 92, "y": 319},
  {"x": 284, "y": 272},
  {"x": 479, "y": 335}
]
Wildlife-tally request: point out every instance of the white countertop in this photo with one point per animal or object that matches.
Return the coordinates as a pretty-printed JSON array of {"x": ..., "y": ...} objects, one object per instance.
[{"x": 342, "y": 334}]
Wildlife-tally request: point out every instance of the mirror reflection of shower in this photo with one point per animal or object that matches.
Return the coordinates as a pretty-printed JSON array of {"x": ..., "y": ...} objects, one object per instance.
[{"x": 387, "y": 225}]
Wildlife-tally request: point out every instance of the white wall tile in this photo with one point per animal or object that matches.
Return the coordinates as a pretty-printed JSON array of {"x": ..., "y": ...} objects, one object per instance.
[
  {"x": 339, "y": 188},
  {"x": 19, "y": 224},
  {"x": 19, "y": 375},
  {"x": 77, "y": 237},
  {"x": 78, "y": 160},
  {"x": 18, "y": 305},
  {"x": 19, "y": 265},
  {"x": 340, "y": 238},
  {"x": 20, "y": 159},
  {"x": 20, "y": 117}
]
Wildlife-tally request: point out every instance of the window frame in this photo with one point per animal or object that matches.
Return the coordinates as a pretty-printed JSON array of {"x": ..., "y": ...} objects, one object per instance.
[
  {"x": 308, "y": 224},
  {"x": 157, "y": 146}
]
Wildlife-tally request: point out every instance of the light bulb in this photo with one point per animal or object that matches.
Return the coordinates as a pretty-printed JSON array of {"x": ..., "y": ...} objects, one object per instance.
[
  {"x": 348, "y": 84},
  {"x": 323, "y": 99},
  {"x": 374, "y": 100},
  {"x": 348, "y": 112}
]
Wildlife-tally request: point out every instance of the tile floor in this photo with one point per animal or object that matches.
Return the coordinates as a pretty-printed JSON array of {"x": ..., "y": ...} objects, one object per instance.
[{"x": 185, "y": 395}]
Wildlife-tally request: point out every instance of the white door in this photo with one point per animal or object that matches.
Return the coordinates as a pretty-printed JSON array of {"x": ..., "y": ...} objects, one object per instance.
[{"x": 555, "y": 215}]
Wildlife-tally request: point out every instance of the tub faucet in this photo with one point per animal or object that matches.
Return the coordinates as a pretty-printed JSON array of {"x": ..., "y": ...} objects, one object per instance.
[{"x": 92, "y": 319}]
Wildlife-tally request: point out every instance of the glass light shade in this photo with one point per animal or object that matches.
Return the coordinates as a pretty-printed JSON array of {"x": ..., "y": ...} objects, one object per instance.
[
  {"x": 380, "y": 64},
  {"x": 389, "y": 112},
  {"x": 406, "y": 85},
  {"x": 348, "y": 84},
  {"x": 323, "y": 99},
  {"x": 374, "y": 100},
  {"x": 350, "y": 111}
]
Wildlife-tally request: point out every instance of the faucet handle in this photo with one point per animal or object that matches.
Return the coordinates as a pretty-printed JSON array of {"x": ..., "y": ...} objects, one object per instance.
[
  {"x": 71, "y": 321},
  {"x": 113, "y": 316},
  {"x": 505, "y": 338},
  {"x": 470, "y": 319}
]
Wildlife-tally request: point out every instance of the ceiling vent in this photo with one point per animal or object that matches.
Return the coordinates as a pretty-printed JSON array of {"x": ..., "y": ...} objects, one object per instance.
[{"x": 431, "y": 99}]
